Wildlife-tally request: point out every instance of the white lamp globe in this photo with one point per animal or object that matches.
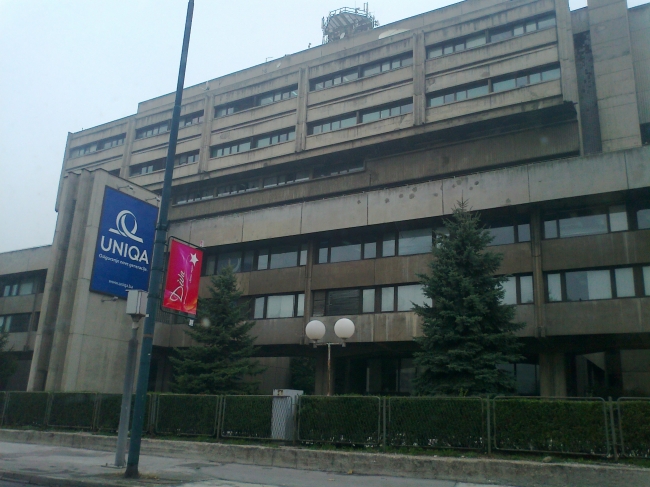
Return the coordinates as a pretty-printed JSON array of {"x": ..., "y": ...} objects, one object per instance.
[
  {"x": 315, "y": 330},
  {"x": 344, "y": 328}
]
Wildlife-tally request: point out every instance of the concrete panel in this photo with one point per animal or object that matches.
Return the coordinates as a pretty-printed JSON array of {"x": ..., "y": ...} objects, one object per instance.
[
  {"x": 637, "y": 163},
  {"x": 280, "y": 331},
  {"x": 404, "y": 269},
  {"x": 26, "y": 260},
  {"x": 291, "y": 279},
  {"x": 612, "y": 249},
  {"x": 576, "y": 177},
  {"x": 405, "y": 203},
  {"x": 18, "y": 304},
  {"x": 343, "y": 274},
  {"x": 609, "y": 316},
  {"x": 218, "y": 231},
  {"x": 272, "y": 223},
  {"x": 343, "y": 212},
  {"x": 525, "y": 314},
  {"x": 517, "y": 258},
  {"x": 181, "y": 230},
  {"x": 492, "y": 189}
]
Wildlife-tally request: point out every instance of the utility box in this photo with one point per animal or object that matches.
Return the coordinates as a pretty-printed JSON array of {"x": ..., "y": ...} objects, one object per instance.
[
  {"x": 283, "y": 414},
  {"x": 136, "y": 303}
]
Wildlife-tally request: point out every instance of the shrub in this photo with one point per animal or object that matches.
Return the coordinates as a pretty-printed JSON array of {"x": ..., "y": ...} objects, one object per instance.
[
  {"x": 247, "y": 416},
  {"x": 110, "y": 408},
  {"x": 562, "y": 426},
  {"x": 26, "y": 409},
  {"x": 342, "y": 419},
  {"x": 182, "y": 414},
  {"x": 72, "y": 410},
  {"x": 635, "y": 427},
  {"x": 438, "y": 422}
]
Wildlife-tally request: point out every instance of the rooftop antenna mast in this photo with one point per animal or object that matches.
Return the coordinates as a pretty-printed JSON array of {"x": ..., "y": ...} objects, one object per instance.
[{"x": 346, "y": 22}]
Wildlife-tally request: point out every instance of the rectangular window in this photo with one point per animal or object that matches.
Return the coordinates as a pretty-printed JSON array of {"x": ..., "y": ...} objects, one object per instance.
[
  {"x": 518, "y": 290},
  {"x": 258, "y": 312},
  {"x": 256, "y": 101},
  {"x": 378, "y": 67},
  {"x": 646, "y": 280},
  {"x": 280, "y": 306},
  {"x": 337, "y": 169},
  {"x": 526, "y": 289},
  {"x": 17, "y": 323},
  {"x": 284, "y": 256},
  {"x": 593, "y": 284},
  {"x": 343, "y": 302},
  {"x": 345, "y": 252},
  {"x": 368, "y": 301},
  {"x": 554, "y": 283},
  {"x": 388, "y": 245},
  {"x": 97, "y": 146},
  {"x": 624, "y": 278},
  {"x": 502, "y": 235},
  {"x": 458, "y": 94},
  {"x": 191, "y": 119},
  {"x": 588, "y": 285},
  {"x": 232, "y": 259},
  {"x": 387, "y": 299},
  {"x": 341, "y": 122},
  {"x": 510, "y": 291},
  {"x": 587, "y": 222},
  {"x": 415, "y": 241},
  {"x": 409, "y": 295},
  {"x": 458, "y": 45},
  {"x": 153, "y": 130},
  {"x": 370, "y": 250}
]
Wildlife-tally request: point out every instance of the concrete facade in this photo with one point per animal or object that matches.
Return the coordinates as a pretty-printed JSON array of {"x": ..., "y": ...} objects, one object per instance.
[{"x": 318, "y": 175}]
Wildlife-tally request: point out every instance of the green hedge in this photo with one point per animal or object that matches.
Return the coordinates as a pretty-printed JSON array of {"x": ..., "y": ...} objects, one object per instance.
[
  {"x": 635, "y": 428},
  {"x": 561, "y": 426},
  {"x": 72, "y": 410},
  {"x": 108, "y": 412},
  {"x": 26, "y": 409},
  {"x": 342, "y": 419},
  {"x": 247, "y": 417},
  {"x": 182, "y": 414},
  {"x": 436, "y": 422}
]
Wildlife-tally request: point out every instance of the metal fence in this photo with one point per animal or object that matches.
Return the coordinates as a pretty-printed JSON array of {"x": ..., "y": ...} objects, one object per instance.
[
  {"x": 634, "y": 426},
  {"x": 436, "y": 422},
  {"x": 578, "y": 426},
  {"x": 552, "y": 425},
  {"x": 342, "y": 419}
]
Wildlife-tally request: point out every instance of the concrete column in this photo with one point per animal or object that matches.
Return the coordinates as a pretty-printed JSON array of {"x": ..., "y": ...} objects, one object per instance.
[
  {"x": 308, "y": 298},
  {"x": 66, "y": 155},
  {"x": 552, "y": 375},
  {"x": 301, "y": 112},
  {"x": 320, "y": 388},
  {"x": 208, "y": 117},
  {"x": 419, "y": 97},
  {"x": 614, "y": 71},
  {"x": 128, "y": 148},
  {"x": 538, "y": 274}
]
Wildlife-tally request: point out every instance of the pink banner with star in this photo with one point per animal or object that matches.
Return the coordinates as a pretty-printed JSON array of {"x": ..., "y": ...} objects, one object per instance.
[{"x": 183, "y": 276}]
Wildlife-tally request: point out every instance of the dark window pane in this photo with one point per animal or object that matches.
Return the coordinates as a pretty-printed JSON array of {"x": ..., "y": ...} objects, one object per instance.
[
  {"x": 526, "y": 289},
  {"x": 387, "y": 299},
  {"x": 550, "y": 229},
  {"x": 263, "y": 260},
  {"x": 344, "y": 302},
  {"x": 643, "y": 219},
  {"x": 280, "y": 306},
  {"x": 584, "y": 285},
  {"x": 368, "y": 305},
  {"x": 284, "y": 256},
  {"x": 247, "y": 265},
  {"x": 232, "y": 259},
  {"x": 370, "y": 250},
  {"x": 19, "y": 323},
  {"x": 435, "y": 52},
  {"x": 345, "y": 252},
  {"x": 502, "y": 235},
  {"x": 583, "y": 225},
  {"x": 388, "y": 246},
  {"x": 415, "y": 241},
  {"x": 501, "y": 35},
  {"x": 448, "y": 49},
  {"x": 409, "y": 295},
  {"x": 322, "y": 253},
  {"x": 477, "y": 91},
  {"x": 527, "y": 379},
  {"x": 506, "y": 84},
  {"x": 546, "y": 22},
  {"x": 523, "y": 231},
  {"x": 303, "y": 254},
  {"x": 436, "y": 101}
]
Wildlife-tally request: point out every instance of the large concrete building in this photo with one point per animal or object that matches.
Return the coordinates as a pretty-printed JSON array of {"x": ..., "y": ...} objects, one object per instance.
[{"x": 321, "y": 177}]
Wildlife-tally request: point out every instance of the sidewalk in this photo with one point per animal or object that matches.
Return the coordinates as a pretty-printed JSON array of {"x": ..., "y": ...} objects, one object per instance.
[
  {"x": 47, "y": 465},
  {"x": 83, "y": 459}
]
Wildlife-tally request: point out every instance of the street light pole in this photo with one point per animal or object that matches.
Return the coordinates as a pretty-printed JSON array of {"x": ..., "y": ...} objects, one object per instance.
[
  {"x": 157, "y": 264},
  {"x": 315, "y": 331}
]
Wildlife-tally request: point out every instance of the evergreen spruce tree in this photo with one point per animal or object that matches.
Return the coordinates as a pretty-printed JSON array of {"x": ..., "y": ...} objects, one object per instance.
[
  {"x": 7, "y": 361},
  {"x": 223, "y": 360},
  {"x": 468, "y": 331}
]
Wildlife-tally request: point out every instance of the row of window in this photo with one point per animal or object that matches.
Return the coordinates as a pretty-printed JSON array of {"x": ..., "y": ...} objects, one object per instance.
[
  {"x": 279, "y": 306},
  {"x": 492, "y": 35},
  {"x": 162, "y": 127},
  {"x": 276, "y": 257},
  {"x": 371, "y": 115},
  {"x": 355, "y": 73},
  {"x": 256, "y": 142},
  {"x": 21, "y": 285},
  {"x": 587, "y": 285},
  {"x": 16, "y": 323},
  {"x": 97, "y": 146},
  {"x": 159, "y": 164},
  {"x": 593, "y": 221},
  {"x": 485, "y": 87},
  {"x": 256, "y": 101},
  {"x": 184, "y": 196}
]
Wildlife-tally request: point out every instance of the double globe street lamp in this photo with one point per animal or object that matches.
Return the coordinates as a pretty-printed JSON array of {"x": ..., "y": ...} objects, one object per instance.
[{"x": 315, "y": 331}]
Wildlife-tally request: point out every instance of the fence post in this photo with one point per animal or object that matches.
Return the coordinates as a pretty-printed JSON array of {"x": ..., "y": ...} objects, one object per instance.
[
  {"x": 613, "y": 426},
  {"x": 48, "y": 408},
  {"x": 620, "y": 425},
  {"x": 96, "y": 404},
  {"x": 383, "y": 441},
  {"x": 489, "y": 427},
  {"x": 4, "y": 408}
]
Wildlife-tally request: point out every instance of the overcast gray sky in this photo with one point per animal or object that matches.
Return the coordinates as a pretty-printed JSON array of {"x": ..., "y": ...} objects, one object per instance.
[{"x": 66, "y": 65}]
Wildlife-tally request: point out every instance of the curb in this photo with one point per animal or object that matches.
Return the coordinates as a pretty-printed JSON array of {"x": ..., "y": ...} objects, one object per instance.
[
  {"x": 53, "y": 481},
  {"x": 507, "y": 472}
]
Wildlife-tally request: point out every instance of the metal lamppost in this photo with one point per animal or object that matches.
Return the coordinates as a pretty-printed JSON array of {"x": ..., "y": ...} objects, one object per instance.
[{"x": 315, "y": 331}]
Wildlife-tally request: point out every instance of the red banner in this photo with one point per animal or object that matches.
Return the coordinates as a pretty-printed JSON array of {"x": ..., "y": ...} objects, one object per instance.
[{"x": 183, "y": 276}]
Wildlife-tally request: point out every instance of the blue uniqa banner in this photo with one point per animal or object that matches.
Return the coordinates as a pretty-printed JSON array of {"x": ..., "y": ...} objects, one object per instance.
[{"x": 124, "y": 244}]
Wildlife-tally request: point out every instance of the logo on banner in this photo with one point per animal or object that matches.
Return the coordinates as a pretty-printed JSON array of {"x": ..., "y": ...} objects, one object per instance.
[
  {"x": 124, "y": 244},
  {"x": 183, "y": 278}
]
